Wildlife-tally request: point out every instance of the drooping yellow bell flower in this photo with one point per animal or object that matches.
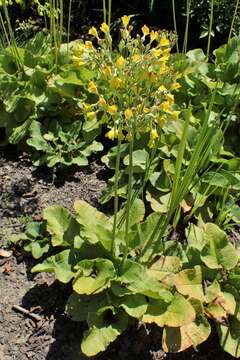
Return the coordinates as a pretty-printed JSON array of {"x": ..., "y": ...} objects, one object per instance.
[
  {"x": 153, "y": 35},
  {"x": 116, "y": 83},
  {"x": 111, "y": 134},
  {"x": 164, "y": 41},
  {"x": 104, "y": 28},
  {"x": 145, "y": 30},
  {"x": 102, "y": 102},
  {"x": 112, "y": 109},
  {"x": 120, "y": 62},
  {"x": 125, "y": 20},
  {"x": 93, "y": 31},
  {"x": 128, "y": 114},
  {"x": 136, "y": 58},
  {"x": 92, "y": 88}
]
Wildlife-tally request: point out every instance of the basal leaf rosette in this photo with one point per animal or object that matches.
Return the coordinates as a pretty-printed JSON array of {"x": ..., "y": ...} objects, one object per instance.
[{"x": 135, "y": 82}]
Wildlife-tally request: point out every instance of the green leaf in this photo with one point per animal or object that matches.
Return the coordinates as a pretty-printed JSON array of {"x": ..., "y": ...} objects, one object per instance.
[
  {"x": 19, "y": 132},
  {"x": 60, "y": 264},
  {"x": 230, "y": 337},
  {"x": 136, "y": 215},
  {"x": 139, "y": 160},
  {"x": 85, "y": 215},
  {"x": 177, "y": 313},
  {"x": 99, "y": 336},
  {"x": 189, "y": 282},
  {"x": 61, "y": 225},
  {"x": 136, "y": 279},
  {"x": 195, "y": 236},
  {"x": 93, "y": 276},
  {"x": 78, "y": 306},
  {"x": 135, "y": 305},
  {"x": 165, "y": 265},
  {"x": 218, "y": 251},
  {"x": 37, "y": 141}
]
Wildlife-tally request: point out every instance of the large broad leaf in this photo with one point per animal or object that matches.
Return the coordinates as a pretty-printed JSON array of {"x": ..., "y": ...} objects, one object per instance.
[
  {"x": 61, "y": 225},
  {"x": 100, "y": 335},
  {"x": 85, "y": 216},
  {"x": 189, "y": 282},
  {"x": 93, "y": 276},
  {"x": 177, "y": 313},
  {"x": 164, "y": 268},
  {"x": 136, "y": 279},
  {"x": 222, "y": 179},
  {"x": 134, "y": 305},
  {"x": 60, "y": 264},
  {"x": 78, "y": 306},
  {"x": 230, "y": 337},
  {"x": 195, "y": 236},
  {"x": 179, "y": 339},
  {"x": 139, "y": 160},
  {"x": 37, "y": 141},
  {"x": 136, "y": 215},
  {"x": 218, "y": 251},
  {"x": 19, "y": 132}
]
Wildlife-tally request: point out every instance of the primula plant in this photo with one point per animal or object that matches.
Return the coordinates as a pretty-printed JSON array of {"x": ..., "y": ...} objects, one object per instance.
[{"x": 131, "y": 266}]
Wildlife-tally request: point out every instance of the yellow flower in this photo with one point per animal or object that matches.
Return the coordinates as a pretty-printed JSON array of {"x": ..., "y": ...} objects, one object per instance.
[
  {"x": 87, "y": 107},
  {"x": 146, "y": 110},
  {"x": 91, "y": 115},
  {"x": 92, "y": 88},
  {"x": 93, "y": 32},
  {"x": 116, "y": 83},
  {"x": 129, "y": 137},
  {"x": 125, "y": 20},
  {"x": 165, "y": 106},
  {"x": 79, "y": 50},
  {"x": 154, "y": 134},
  {"x": 112, "y": 109},
  {"x": 170, "y": 98},
  {"x": 175, "y": 86},
  {"x": 164, "y": 41},
  {"x": 156, "y": 52},
  {"x": 128, "y": 114},
  {"x": 164, "y": 58},
  {"x": 88, "y": 45},
  {"x": 152, "y": 77},
  {"x": 102, "y": 102},
  {"x": 120, "y": 135},
  {"x": 107, "y": 71},
  {"x": 163, "y": 69},
  {"x": 162, "y": 121},
  {"x": 111, "y": 134},
  {"x": 162, "y": 88},
  {"x": 153, "y": 35},
  {"x": 153, "y": 137},
  {"x": 136, "y": 58},
  {"x": 166, "y": 51},
  {"x": 175, "y": 114},
  {"x": 145, "y": 30},
  {"x": 77, "y": 61},
  {"x": 120, "y": 62},
  {"x": 104, "y": 28}
]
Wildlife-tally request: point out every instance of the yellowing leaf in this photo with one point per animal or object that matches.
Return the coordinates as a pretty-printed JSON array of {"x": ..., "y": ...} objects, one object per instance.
[
  {"x": 179, "y": 339},
  {"x": 189, "y": 282},
  {"x": 178, "y": 313}
]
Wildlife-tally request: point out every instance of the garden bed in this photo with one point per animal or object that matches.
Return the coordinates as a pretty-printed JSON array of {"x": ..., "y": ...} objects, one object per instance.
[{"x": 25, "y": 191}]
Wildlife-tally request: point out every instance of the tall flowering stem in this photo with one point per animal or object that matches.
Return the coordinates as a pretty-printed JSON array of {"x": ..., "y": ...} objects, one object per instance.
[{"x": 116, "y": 180}]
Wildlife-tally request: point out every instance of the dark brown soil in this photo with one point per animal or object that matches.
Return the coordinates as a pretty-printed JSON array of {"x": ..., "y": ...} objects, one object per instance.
[{"x": 24, "y": 192}]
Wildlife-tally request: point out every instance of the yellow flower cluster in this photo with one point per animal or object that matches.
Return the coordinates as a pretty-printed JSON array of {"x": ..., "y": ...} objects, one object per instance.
[{"x": 135, "y": 84}]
